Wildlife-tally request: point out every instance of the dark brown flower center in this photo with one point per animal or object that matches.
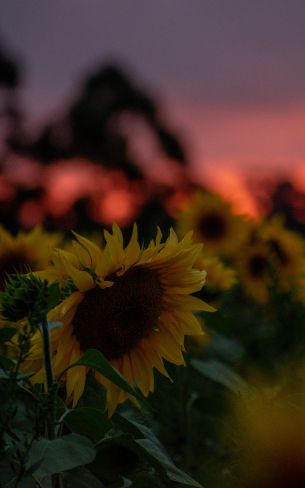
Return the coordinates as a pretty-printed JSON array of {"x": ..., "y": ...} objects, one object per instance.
[
  {"x": 278, "y": 251},
  {"x": 12, "y": 262},
  {"x": 258, "y": 265},
  {"x": 114, "y": 320},
  {"x": 212, "y": 226}
]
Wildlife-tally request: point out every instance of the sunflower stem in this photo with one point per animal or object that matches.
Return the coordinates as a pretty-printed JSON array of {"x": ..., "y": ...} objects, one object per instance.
[
  {"x": 50, "y": 383},
  {"x": 46, "y": 345},
  {"x": 51, "y": 389}
]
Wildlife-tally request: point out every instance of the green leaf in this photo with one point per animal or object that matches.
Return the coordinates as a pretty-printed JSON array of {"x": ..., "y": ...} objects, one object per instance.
[
  {"x": 128, "y": 424},
  {"x": 96, "y": 360},
  {"x": 126, "y": 483},
  {"x": 116, "y": 457},
  {"x": 7, "y": 473},
  {"x": 60, "y": 407},
  {"x": 54, "y": 293},
  {"x": 157, "y": 455},
  {"x": 28, "y": 482},
  {"x": 220, "y": 373},
  {"x": 152, "y": 450},
  {"x": 6, "y": 363},
  {"x": 81, "y": 478},
  {"x": 94, "y": 394},
  {"x": 5, "y": 374},
  {"x": 6, "y": 334},
  {"x": 147, "y": 479},
  {"x": 50, "y": 457},
  {"x": 88, "y": 421}
]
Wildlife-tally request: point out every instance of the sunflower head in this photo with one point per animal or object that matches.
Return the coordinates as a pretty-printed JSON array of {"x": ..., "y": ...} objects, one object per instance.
[
  {"x": 253, "y": 267},
  {"x": 213, "y": 223},
  {"x": 24, "y": 296},
  {"x": 25, "y": 251},
  {"x": 219, "y": 277},
  {"x": 130, "y": 309},
  {"x": 135, "y": 305},
  {"x": 287, "y": 250}
]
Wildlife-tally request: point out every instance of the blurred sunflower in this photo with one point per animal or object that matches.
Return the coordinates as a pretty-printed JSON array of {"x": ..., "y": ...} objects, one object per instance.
[
  {"x": 213, "y": 223},
  {"x": 132, "y": 304},
  {"x": 253, "y": 267},
  {"x": 287, "y": 251},
  {"x": 27, "y": 250},
  {"x": 219, "y": 276},
  {"x": 269, "y": 438}
]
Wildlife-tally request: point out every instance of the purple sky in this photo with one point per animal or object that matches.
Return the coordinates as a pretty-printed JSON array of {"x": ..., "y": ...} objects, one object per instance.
[{"x": 231, "y": 73}]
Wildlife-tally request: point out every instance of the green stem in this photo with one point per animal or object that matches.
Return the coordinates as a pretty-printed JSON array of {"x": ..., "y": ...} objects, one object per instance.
[
  {"x": 47, "y": 354},
  {"x": 50, "y": 385},
  {"x": 51, "y": 389}
]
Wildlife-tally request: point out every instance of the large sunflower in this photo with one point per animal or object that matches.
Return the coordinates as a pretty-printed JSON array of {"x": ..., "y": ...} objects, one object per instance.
[
  {"x": 132, "y": 304},
  {"x": 25, "y": 251},
  {"x": 213, "y": 223}
]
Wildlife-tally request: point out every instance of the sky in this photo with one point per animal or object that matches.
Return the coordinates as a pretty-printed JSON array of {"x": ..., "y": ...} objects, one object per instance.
[{"x": 230, "y": 73}]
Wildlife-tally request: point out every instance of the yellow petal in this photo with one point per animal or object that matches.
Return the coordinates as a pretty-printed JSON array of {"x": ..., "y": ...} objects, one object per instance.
[
  {"x": 83, "y": 254},
  {"x": 117, "y": 233},
  {"x": 190, "y": 302},
  {"x": 167, "y": 347},
  {"x": 132, "y": 250},
  {"x": 82, "y": 279},
  {"x": 139, "y": 373},
  {"x": 73, "y": 374},
  {"x": 92, "y": 248},
  {"x": 104, "y": 265}
]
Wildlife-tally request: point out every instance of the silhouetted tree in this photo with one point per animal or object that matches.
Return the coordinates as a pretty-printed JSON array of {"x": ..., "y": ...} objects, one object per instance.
[
  {"x": 91, "y": 127},
  {"x": 10, "y": 114}
]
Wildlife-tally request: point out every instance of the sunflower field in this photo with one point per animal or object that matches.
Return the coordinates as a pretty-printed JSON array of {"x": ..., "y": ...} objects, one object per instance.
[
  {"x": 173, "y": 361},
  {"x": 152, "y": 331}
]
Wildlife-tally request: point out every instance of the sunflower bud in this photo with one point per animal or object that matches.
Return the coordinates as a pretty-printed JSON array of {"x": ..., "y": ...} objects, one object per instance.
[{"x": 27, "y": 296}]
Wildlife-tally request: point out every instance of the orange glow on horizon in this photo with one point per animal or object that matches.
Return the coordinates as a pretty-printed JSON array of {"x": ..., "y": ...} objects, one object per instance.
[
  {"x": 231, "y": 185},
  {"x": 67, "y": 181},
  {"x": 116, "y": 206},
  {"x": 298, "y": 178},
  {"x": 268, "y": 138}
]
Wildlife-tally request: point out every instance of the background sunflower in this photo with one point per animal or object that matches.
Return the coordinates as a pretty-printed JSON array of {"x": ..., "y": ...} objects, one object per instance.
[
  {"x": 255, "y": 272},
  {"x": 287, "y": 250},
  {"x": 26, "y": 251},
  {"x": 213, "y": 223}
]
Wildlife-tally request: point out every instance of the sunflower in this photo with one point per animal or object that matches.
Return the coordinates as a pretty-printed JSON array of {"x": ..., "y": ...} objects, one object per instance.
[
  {"x": 213, "y": 223},
  {"x": 28, "y": 250},
  {"x": 287, "y": 250},
  {"x": 132, "y": 304},
  {"x": 253, "y": 267},
  {"x": 269, "y": 438},
  {"x": 219, "y": 277}
]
